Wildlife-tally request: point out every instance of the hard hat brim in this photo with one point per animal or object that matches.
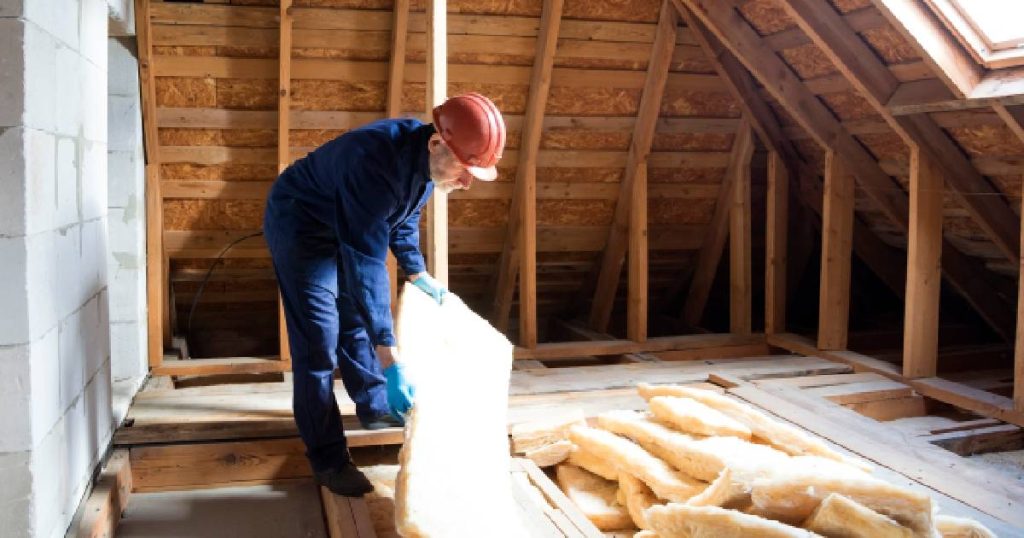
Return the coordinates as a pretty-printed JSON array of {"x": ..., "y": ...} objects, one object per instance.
[{"x": 488, "y": 173}]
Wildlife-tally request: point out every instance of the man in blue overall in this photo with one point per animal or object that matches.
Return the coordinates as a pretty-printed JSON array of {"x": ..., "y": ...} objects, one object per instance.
[{"x": 330, "y": 219}]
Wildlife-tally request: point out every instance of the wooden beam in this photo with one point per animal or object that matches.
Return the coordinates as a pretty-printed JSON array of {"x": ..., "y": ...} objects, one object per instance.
[
  {"x": 934, "y": 42},
  {"x": 740, "y": 301},
  {"x": 961, "y": 270},
  {"x": 714, "y": 239},
  {"x": 924, "y": 269},
  {"x": 931, "y": 96},
  {"x": 396, "y": 79},
  {"x": 639, "y": 148},
  {"x": 437, "y": 91},
  {"x": 224, "y": 366},
  {"x": 775, "y": 246},
  {"x": 519, "y": 253},
  {"x": 347, "y": 517},
  {"x": 284, "y": 85},
  {"x": 636, "y": 294},
  {"x": 158, "y": 321},
  {"x": 101, "y": 512},
  {"x": 869, "y": 75},
  {"x": 836, "y": 248}
]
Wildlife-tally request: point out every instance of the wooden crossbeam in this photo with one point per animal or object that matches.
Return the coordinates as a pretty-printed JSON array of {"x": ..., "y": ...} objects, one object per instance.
[
  {"x": 437, "y": 90},
  {"x": 637, "y": 279},
  {"x": 924, "y": 269},
  {"x": 519, "y": 253},
  {"x": 639, "y": 148},
  {"x": 776, "y": 233},
  {"x": 718, "y": 230},
  {"x": 836, "y": 248},
  {"x": 869, "y": 75},
  {"x": 821, "y": 124}
]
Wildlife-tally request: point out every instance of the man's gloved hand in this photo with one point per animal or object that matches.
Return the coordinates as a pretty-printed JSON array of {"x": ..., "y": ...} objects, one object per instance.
[
  {"x": 430, "y": 286},
  {"x": 400, "y": 392}
]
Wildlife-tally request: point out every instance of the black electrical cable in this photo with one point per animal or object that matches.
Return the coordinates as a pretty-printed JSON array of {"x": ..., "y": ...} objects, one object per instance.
[{"x": 206, "y": 279}]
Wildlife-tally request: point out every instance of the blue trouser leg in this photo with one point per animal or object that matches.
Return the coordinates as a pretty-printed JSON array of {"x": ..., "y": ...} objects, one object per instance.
[
  {"x": 306, "y": 268},
  {"x": 360, "y": 369}
]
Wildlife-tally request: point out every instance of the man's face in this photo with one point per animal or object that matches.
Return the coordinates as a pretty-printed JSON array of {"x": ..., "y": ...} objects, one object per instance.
[{"x": 447, "y": 173}]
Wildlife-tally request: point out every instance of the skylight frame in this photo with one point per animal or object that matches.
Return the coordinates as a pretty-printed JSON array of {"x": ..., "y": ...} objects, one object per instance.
[{"x": 974, "y": 39}]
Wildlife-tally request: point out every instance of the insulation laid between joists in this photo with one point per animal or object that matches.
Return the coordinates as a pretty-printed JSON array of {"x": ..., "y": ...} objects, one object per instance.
[{"x": 454, "y": 478}]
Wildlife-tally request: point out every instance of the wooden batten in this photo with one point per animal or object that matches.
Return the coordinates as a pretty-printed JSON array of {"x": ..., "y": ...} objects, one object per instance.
[
  {"x": 836, "y": 248},
  {"x": 924, "y": 269}
]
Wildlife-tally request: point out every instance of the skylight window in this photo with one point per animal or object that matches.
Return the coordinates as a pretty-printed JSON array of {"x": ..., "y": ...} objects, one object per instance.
[{"x": 992, "y": 30}]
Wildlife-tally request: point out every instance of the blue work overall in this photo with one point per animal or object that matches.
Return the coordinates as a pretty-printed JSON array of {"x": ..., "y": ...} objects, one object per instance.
[{"x": 330, "y": 220}]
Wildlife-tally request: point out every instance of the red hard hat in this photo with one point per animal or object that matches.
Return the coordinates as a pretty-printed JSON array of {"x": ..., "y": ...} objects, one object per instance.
[{"x": 472, "y": 127}]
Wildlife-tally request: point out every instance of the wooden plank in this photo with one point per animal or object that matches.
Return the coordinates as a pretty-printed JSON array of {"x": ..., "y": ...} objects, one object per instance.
[
  {"x": 714, "y": 239},
  {"x": 519, "y": 253},
  {"x": 436, "y": 213},
  {"x": 558, "y": 499},
  {"x": 775, "y": 245},
  {"x": 101, "y": 511},
  {"x": 998, "y": 438},
  {"x": 813, "y": 116},
  {"x": 221, "y": 366},
  {"x": 836, "y": 248},
  {"x": 989, "y": 491},
  {"x": 639, "y": 148},
  {"x": 346, "y": 517},
  {"x": 869, "y": 391},
  {"x": 931, "y": 95},
  {"x": 892, "y": 409},
  {"x": 740, "y": 300},
  {"x": 924, "y": 269}
]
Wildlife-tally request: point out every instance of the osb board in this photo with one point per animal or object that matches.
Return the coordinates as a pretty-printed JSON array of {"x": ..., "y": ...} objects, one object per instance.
[
  {"x": 890, "y": 45},
  {"x": 766, "y": 16},
  {"x": 610, "y": 10},
  {"x": 213, "y": 214},
  {"x": 987, "y": 140},
  {"x": 848, "y": 105},
  {"x": 808, "y": 61},
  {"x": 885, "y": 146},
  {"x": 218, "y": 172}
]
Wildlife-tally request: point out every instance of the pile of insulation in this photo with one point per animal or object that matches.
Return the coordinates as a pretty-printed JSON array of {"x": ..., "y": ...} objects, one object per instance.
[{"x": 700, "y": 464}]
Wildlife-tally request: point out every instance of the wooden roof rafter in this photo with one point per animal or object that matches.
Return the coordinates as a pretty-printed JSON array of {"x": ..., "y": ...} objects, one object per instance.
[
  {"x": 749, "y": 47},
  {"x": 854, "y": 59},
  {"x": 639, "y": 149}
]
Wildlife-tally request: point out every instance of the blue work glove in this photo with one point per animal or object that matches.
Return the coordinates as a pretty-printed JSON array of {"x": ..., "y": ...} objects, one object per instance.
[
  {"x": 400, "y": 392},
  {"x": 430, "y": 286}
]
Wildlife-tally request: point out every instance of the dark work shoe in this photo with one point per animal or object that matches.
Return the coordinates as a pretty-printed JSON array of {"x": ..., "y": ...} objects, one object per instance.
[
  {"x": 380, "y": 422},
  {"x": 348, "y": 481}
]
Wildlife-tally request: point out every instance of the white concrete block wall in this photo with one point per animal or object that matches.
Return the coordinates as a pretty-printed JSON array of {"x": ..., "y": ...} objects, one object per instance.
[
  {"x": 126, "y": 211},
  {"x": 55, "y": 365}
]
